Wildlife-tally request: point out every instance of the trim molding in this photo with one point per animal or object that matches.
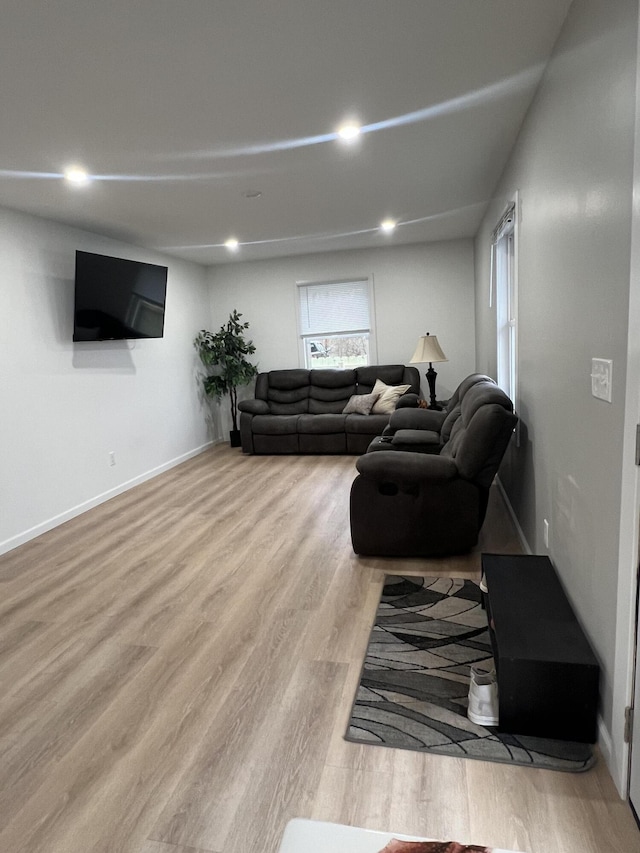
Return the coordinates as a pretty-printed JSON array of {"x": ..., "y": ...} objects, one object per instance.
[
  {"x": 605, "y": 743},
  {"x": 67, "y": 515},
  {"x": 514, "y": 519}
]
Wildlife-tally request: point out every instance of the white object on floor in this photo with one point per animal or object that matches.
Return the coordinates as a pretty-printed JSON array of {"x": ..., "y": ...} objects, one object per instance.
[
  {"x": 316, "y": 836},
  {"x": 483, "y": 697}
]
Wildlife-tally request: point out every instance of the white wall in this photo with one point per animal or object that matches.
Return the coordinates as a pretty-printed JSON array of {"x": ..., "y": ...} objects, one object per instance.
[
  {"x": 573, "y": 167},
  {"x": 418, "y": 288},
  {"x": 65, "y": 406}
]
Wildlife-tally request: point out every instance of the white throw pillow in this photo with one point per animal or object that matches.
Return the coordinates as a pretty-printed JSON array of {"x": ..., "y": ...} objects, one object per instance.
[{"x": 388, "y": 396}]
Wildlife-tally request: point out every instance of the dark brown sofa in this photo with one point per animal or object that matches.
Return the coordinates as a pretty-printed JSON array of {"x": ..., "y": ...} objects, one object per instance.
[{"x": 301, "y": 411}]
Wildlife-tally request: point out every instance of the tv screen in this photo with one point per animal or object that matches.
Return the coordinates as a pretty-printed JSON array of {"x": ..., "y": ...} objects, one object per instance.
[{"x": 117, "y": 299}]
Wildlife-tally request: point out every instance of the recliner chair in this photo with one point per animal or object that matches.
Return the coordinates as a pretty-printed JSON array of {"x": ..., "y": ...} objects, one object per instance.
[
  {"x": 417, "y": 504},
  {"x": 426, "y": 430}
]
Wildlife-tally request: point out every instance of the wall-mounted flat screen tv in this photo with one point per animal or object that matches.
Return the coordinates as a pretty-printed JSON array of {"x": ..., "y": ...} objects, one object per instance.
[{"x": 118, "y": 299}]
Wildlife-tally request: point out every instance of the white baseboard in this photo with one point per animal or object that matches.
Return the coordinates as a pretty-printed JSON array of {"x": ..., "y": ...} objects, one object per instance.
[
  {"x": 67, "y": 515},
  {"x": 605, "y": 743},
  {"x": 514, "y": 519}
]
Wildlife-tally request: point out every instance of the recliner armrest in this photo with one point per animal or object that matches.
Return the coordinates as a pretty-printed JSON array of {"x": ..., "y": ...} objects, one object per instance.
[
  {"x": 419, "y": 440},
  {"x": 406, "y": 467},
  {"x": 254, "y": 407},
  {"x": 417, "y": 419}
]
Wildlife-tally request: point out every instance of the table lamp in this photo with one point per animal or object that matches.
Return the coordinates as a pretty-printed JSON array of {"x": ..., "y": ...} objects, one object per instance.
[{"x": 429, "y": 350}]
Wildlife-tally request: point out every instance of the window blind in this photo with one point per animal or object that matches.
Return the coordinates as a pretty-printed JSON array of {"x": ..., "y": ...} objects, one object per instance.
[
  {"x": 505, "y": 225},
  {"x": 334, "y": 307}
]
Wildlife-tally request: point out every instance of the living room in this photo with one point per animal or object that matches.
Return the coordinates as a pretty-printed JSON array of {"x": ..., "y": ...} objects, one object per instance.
[{"x": 87, "y": 422}]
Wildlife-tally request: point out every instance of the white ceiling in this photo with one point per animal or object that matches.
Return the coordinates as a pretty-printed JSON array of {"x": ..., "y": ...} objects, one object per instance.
[{"x": 179, "y": 107}]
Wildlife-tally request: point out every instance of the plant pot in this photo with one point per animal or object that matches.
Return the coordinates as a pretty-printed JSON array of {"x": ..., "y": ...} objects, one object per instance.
[{"x": 234, "y": 438}]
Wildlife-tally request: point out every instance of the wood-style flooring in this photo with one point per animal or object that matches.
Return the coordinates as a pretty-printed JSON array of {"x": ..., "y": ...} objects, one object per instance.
[{"x": 177, "y": 668}]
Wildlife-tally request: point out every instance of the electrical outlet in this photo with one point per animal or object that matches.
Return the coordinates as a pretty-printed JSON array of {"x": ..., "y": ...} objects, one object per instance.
[
  {"x": 601, "y": 378},
  {"x": 112, "y": 458},
  {"x": 545, "y": 532}
]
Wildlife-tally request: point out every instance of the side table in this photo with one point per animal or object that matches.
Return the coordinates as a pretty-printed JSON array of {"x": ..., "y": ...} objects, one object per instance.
[{"x": 547, "y": 672}]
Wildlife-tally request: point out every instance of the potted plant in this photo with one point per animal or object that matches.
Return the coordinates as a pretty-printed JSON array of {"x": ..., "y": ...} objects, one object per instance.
[{"x": 225, "y": 353}]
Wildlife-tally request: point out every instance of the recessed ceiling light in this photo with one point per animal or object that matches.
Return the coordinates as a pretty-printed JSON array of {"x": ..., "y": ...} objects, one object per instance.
[
  {"x": 232, "y": 244},
  {"x": 348, "y": 132},
  {"x": 76, "y": 175},
  {"x": 388, "y": 225}
]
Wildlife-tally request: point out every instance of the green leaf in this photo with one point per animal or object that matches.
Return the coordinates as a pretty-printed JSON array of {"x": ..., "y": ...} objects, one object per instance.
[{"x": 225, "y": 352}]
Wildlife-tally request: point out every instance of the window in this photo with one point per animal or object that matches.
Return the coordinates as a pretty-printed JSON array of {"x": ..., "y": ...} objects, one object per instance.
[
  {"x": 335, "y": 319},
  {"x": 504, "y": 278}
]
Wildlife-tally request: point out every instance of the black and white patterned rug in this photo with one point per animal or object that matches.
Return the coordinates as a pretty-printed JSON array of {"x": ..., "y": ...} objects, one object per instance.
[{"x": 415, "y": 680}]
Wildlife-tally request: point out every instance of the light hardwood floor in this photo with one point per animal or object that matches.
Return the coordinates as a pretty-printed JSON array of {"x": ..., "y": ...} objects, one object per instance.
[{"x": 177, "y": 668}]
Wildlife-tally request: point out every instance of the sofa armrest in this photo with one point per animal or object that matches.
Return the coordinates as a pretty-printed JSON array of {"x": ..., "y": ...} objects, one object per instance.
[
  {"x": 406, "y": 467},
  {"x": 254, "y": 407},
  {"x": 408, "y": 401},
  {"x": 417, "y": 419}
]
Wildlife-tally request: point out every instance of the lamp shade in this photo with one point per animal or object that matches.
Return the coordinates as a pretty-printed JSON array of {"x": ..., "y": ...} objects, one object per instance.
[{"x": 428, "y": 350}]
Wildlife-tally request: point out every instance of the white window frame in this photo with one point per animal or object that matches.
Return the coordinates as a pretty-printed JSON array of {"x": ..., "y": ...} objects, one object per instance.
[
  {"x": 371, "y": 331},
  {"x": 504, "y": 292}
]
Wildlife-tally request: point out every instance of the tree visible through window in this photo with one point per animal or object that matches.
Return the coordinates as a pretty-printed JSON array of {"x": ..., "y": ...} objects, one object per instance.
[{"x": 335, "y": 323}]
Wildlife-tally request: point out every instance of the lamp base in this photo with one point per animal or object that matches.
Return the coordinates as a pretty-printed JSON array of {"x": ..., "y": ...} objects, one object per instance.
[{"x": 431, "y": 379}]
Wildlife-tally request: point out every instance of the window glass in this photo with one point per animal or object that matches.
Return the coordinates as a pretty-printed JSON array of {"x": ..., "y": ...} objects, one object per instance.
[
  {"x": 504, "y": 260},
  {"x": 340, "y": 351}
]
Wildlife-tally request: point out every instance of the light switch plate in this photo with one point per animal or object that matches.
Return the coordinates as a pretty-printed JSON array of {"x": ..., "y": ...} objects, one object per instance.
[{"x": 601, "y": 378}]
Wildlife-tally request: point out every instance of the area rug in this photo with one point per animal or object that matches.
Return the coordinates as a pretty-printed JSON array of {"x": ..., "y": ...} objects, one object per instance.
[{"x": 415, "y": 679}]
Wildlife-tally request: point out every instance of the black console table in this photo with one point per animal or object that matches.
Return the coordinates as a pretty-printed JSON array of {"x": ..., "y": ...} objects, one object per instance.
[{"x": 547, "y": 672}]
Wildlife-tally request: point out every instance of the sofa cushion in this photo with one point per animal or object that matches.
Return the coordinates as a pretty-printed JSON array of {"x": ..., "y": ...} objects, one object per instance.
[
  {"x": 454, "y": 406},
  {"x": 371, "y": 425},
  {"x": 287, "y": 380},
  {"x": 322, "y": 407},
  {"x": 330, "y": 390},
  {"x": 481, "y": 433},
  {"x": 292, "y": 395},
  {"x": 390, "y": 374},
  {"x": 300, "y": 407},
  {"x": 360, "y": 404},
  {"x": 321, "y": 424},
  {"x": 288, "y": 392},
  {"x": 332, "y": 378},
  {"x": 275, "y": 424},
  {"x": 480, "y": 395},
  {"x": 331, "y": 395},
  {"x": 388, "y": 397},
  {"x": 291, "y": 400},
  {"x": 449, "y": 423}
]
